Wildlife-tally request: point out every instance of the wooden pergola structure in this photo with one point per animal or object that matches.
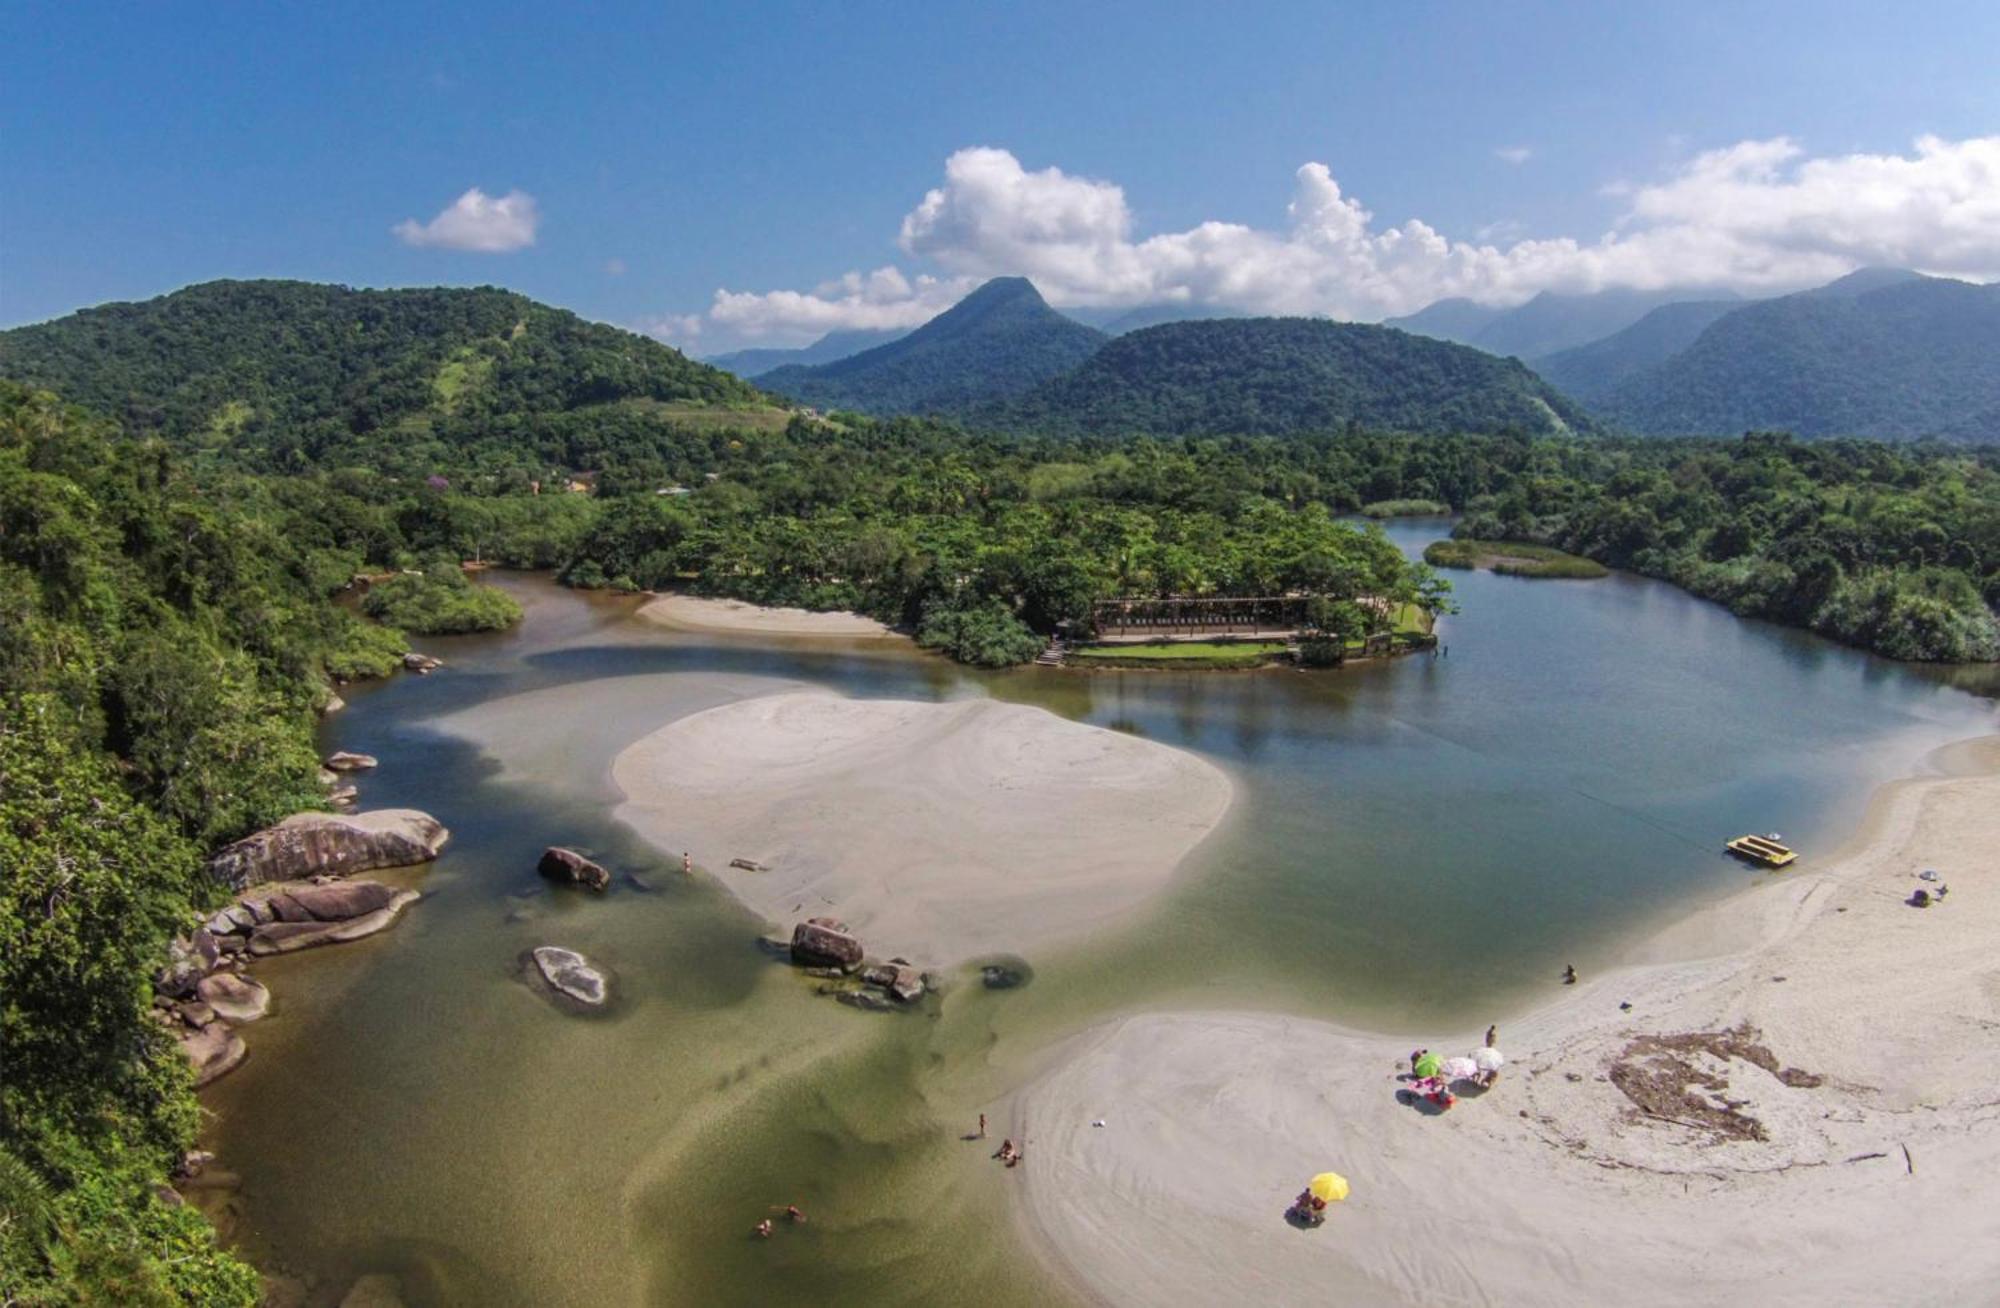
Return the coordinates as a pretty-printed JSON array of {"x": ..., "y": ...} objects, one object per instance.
[{"x": 1189, "y": 617}]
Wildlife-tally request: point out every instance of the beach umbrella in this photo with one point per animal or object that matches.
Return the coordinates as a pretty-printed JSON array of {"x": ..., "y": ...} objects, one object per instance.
[
  {"x": 1328, "y": 1187},
  {"x": 1426, "y": 1065},
  {"x": 1458, "y": 1069},
  {"x": 1488, "y": 1059}
]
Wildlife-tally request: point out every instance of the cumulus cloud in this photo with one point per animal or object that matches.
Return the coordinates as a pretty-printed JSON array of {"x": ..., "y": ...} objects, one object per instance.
[
  {"x": 1513, "y": 154},
  {"x": 478, "y": 222},
  {"x": 1757, "y": 215}
]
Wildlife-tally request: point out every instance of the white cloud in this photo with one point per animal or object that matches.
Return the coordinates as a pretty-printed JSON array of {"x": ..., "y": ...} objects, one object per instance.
[
  {"x": 677, "y": 329},
  {"x": 1513, "y": 154},
  {"x": 476, "y": 221},
  {"x": 1758, "y": 216}
]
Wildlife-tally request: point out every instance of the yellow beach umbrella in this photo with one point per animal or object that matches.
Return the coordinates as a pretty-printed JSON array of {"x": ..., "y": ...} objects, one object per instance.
[{"x": 1328, "y": 1187}]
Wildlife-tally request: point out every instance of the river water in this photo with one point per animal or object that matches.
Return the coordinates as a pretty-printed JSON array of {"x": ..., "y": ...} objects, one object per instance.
[{"x": 1416, "y": 845}]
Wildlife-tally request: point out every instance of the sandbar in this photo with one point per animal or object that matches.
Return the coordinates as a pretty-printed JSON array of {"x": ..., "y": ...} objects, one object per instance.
[
  {"x": 937, "y": 831},
  {"x": 1874, "y": 1180},
  {"x": 696, "y": 613}
]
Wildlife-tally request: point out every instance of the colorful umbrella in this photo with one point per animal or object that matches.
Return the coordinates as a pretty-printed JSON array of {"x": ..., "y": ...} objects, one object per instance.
[
  {"x": 1458, "y": 1069},
  {"x": 1489, "y": 1059},
  {"x": 1328, "y": 1187},
  {"x": 1426, "y": 1064}
]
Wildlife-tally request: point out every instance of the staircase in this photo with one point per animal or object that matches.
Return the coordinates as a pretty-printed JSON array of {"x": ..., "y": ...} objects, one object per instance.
[{"x": 1052, "y": 657}]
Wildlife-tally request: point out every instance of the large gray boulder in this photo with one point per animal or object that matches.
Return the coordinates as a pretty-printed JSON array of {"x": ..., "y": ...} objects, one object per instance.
[
  {"x": 235, "y": 999},
  {"x": 314, "y": 844},
  {"x": 301, "y": 929},
  {"x": 571, "y": 868},
  {"x": 213, "y": 1051},
  {"x": 825, "y": 942}
]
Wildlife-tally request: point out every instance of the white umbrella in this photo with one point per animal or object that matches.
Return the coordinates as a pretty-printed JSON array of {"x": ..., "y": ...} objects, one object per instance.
[
  {"x": 1488, "y": 1059},
  {"x": 1458, "y": 1069}
]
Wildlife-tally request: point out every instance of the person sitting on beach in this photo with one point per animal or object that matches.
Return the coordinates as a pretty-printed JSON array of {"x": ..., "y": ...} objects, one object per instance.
[
  {"x": 1415, "y": 1055},
  {"x": 762, "y": 1230},
  {"x": 792, "y": 1212},
  {"x": 1569, "y": 974},
  {"x": 1007, "y": 1152}
]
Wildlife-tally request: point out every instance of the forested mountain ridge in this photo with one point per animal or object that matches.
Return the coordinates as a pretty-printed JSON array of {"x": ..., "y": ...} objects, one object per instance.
[
  {"x": 1547, "y": 324},
  {"x": 1591, "y": 371},
  {"x": 754, "y": 362},
  {"x": 1881, "y": 353},
  {"x": 997, "y": 342},
  {"x": 286, "y": 375},
  {"x": 1275, "y": 376}
]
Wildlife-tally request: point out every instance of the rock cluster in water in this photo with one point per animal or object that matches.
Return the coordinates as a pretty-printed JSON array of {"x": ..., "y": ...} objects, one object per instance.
[
  {"x": 825, "y": 947},
  {"x": 570, "y": 975}
]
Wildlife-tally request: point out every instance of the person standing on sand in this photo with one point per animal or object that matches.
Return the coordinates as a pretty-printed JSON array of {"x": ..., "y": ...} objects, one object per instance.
[
  {"x": 982, "y": 1126},
  {"x": 1492, "y": 1036},
  {"x": 687, "y": 864}
]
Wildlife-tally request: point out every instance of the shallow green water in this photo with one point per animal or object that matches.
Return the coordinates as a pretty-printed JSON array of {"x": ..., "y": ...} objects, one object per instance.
[{"x": 1414, "y": 846}]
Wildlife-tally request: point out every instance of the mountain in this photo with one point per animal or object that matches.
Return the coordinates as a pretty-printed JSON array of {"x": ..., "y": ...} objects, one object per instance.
[
  {"x": 997, "y": 342},
  {"x": 1280, "y": 375},
  {"x": 827, "y": 349},
  {"x": 1881, "y": 353},
  {"x": 1544, "y": 325},
  {"x": 279, "y": 372},
  {"x": 1590, "y": 371}
]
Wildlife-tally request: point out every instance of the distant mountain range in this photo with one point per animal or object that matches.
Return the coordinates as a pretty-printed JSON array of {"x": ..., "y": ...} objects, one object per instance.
[
  {"x": 1592, "y": 371},
  {"x": 998, "y": 342},
  {"x": 827, "y": 349},
  {"x": 1882, "y": 352},
  {"x": 1275, "y": 376},
  {"x": 1544, "y": 325}
]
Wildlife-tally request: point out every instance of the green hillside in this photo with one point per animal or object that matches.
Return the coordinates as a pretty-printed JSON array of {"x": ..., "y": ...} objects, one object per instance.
[
  {"x": 999, "y": 341},
  {"x": 1881, "y": 354},
  {"x": 283, "y": 375},
  {"x": 1591, "y": 371},
  {"x": 1275, "y": 376}
]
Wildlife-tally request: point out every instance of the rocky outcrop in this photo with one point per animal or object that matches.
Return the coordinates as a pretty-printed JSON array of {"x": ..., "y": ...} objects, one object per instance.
[
  {"x": 570, "y": 975},
  {"x": 235, "y": 999},
  {"x": 189, "y": 959},
  {"x": 306, "y": 916},
  {"x": 571, "y": 868},
  {"x": 213, "y": 1050},
  {"x": 313, "y": 844},
  {"x": 348, "y": 761},
  {"x": 825, "y": 942}
]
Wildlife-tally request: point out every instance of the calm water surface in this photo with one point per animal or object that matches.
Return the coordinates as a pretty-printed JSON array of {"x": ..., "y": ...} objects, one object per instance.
[{"x": 1414, "y": 846}]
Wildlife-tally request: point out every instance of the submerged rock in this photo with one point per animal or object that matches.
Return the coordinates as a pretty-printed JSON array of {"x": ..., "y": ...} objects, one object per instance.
[
  {"x": 571, "y": 868},
  {"x": 348, "y": 761},
  {"x": 421, "y": 663},
  {"x": 234, "y": 999},
  {"x": 1005, "y": 973},
  {"x": 571, "y": 975},
  {"x": 310, "y": 844},
  {"x": 825, "y": 942}
]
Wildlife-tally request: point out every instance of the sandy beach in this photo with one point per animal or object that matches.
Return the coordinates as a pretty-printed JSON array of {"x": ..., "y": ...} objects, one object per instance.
[
  {"x": 939, "y": 832},
  {"x": 1812, "y": 1115},
  {"x": 695, "y": 613}
]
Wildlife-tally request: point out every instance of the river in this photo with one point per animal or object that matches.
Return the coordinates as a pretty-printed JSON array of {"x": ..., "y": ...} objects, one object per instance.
[{"x": 1413, "y": 844}]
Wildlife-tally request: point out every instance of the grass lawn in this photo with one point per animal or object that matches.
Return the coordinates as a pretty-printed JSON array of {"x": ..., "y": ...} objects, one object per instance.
[{"x": 1204, "y": 653}]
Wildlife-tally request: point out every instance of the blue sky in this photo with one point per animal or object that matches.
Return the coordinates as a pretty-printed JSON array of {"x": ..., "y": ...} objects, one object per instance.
[{"x": 668, "y": 152}]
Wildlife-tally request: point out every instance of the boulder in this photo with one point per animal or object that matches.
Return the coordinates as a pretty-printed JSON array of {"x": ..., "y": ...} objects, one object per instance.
[
  {"x": 866, "y": 1000},
  {"x": 571, "y": 975},
  {"x": 421, "y": 663},
  {"x": 907, "y": 986},
  {"x": 334, "y": 704},
  {"x": 195, "y": 1013},
  {"x": 877, "y": 974},
  {"x": 213, "y": 1050},
  {"x": 572, "y": 868},
  {"x": 286, "y": 936},
  {"x": 377, "y": 1291},
  {"x": 233, "y": 998},
  {"x": 343, "y": 797},
  {"x": 824, "y": 942},
  {"x": 189, "y": 959},
  {"x": 328, "y": 777},
  {"x": 308, "y": 844},
  {"x": 348, "y": 761}
]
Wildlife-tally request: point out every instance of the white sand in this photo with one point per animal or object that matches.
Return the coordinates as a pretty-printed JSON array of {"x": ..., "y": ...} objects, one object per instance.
[
  {"x": 1551, "y": 1188},
  {"x": 693, "y": 613},
  {"x": 937, "y": 831}
]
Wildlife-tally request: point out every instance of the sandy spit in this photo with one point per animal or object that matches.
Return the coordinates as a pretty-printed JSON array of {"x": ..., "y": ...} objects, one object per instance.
[
  {"x": 694, "y": 613},
  {"x": 939, "y": 832},
  {"x": 1880, "y": 1184}
]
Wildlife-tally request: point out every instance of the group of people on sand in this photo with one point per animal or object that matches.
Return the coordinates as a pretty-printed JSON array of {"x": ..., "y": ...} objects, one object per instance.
[
  {"x": 1009, "y": 1153},
  {"x": 1437, "y": 1088},
  {"x": 763, "y": 1229}
]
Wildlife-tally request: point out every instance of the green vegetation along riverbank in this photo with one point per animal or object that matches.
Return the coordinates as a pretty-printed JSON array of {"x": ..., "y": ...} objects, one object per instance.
[{"x": 1511, "y": 558}]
